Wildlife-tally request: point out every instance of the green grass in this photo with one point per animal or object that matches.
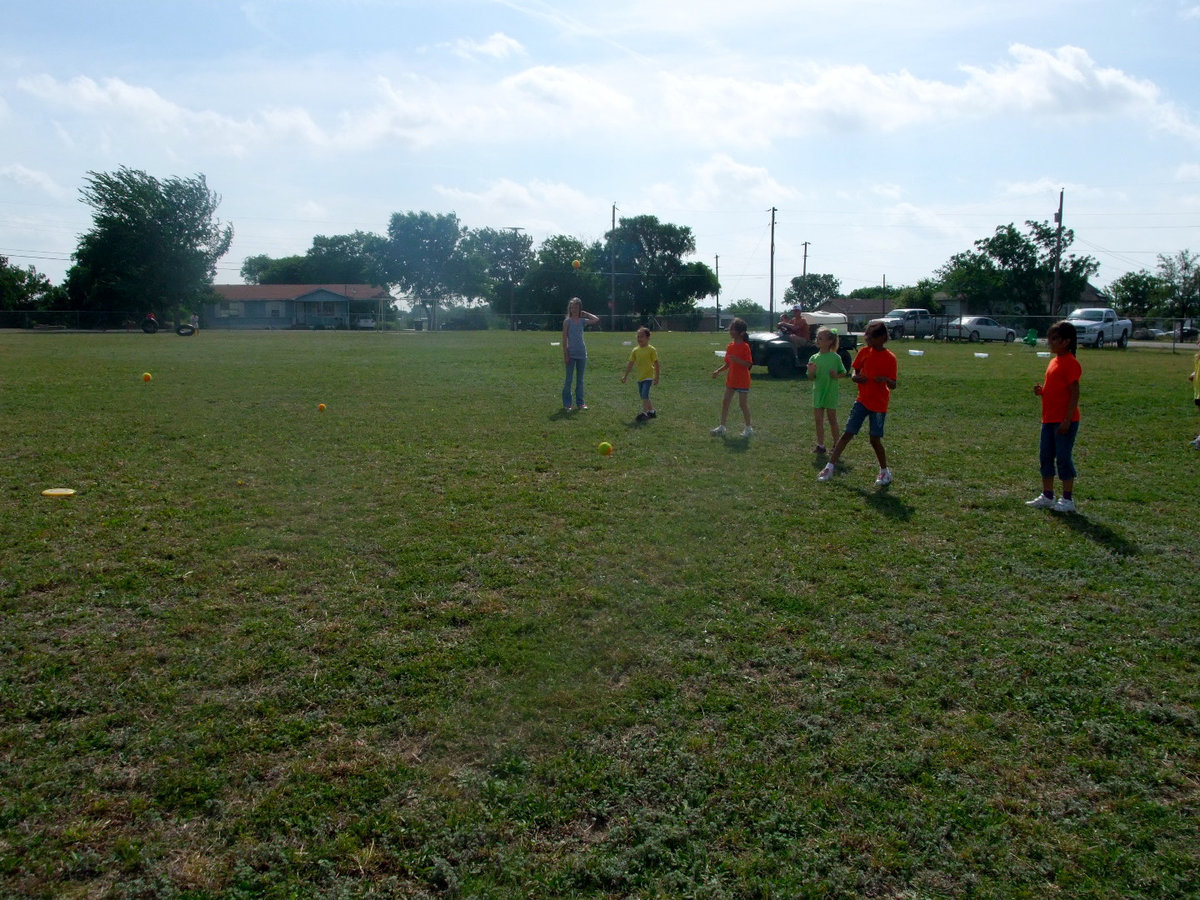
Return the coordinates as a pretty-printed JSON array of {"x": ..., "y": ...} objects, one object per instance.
[{"x": 429, "y": 642}]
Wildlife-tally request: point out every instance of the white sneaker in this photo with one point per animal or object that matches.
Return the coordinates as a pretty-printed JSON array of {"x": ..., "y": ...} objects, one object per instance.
[
  {"x": 718, "y": 431},
  {"x": 1062, "y": 504},
  {"x": 747, "y": 431},
  {"x": 885, "y": 477},
  {"x": 1041, "y": 501},
  {"x": 1196, "y": 442},
  {"x": 826, "y": 473}
]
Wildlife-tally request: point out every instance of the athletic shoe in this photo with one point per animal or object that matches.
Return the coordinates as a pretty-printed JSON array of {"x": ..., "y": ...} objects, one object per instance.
[
  {"x": 826, "y": 473},
  {"x": 581, "y": 406},
  {"x": 719, "y": 431},
  {"x": 747, "y": 431},
  {"x": 1062, "y": 504},
  {"x": 885, "y": 477},
  {"x": 1196, "y": 442},
  {"x": 653, "y": 414},
  {"x": 819, "y": 449},
  {"x": 1041, "y": 501}
]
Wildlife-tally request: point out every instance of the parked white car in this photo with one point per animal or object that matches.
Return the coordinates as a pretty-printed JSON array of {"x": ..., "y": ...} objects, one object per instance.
[{"x": 975, "y": 329}]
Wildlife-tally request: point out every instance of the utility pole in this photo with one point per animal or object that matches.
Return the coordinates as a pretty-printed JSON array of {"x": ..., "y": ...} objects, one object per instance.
[
  {"x": 1058, "y": 216},
  {"x": 512, "y": 303},
  {"x": 804, "y": 275},
  {"x": 612, "y": 276},
  {"x": 718, "y": 261},
  {"x": 772, "y": 285},
  {"x": 883, "y": 299}
]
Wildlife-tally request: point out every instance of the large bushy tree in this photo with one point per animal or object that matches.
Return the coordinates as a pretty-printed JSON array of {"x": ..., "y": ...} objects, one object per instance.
[
  {"x": 153, "y": 245},
  {"x": 24, "y": 288},
  {"x": 650, "y": 274},
  {"x": 811, "y": 290},
  {"x": 552, "y": 279},
  {"x": 1011, "y": 273},
  {"x": 354, "y": 258},
  {"x": 421, "y": 256},
  {"x": 1181, "y": 274},
  {"x": 1140, "y": 294}
]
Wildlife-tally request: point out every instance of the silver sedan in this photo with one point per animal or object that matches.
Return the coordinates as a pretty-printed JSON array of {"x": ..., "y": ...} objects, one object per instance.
[{"x": 975, "y": 329}]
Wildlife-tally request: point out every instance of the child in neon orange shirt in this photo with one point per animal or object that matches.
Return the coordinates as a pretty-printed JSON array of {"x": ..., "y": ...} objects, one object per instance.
[
  {"x": 738, "y": 359},
  {"x": 874, "y": 371},
  {"x": 1059, "y": 391}
]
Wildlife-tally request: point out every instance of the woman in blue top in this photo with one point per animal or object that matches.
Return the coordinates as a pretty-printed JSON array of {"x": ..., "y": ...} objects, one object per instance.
[{"x": 574, "y": 351}]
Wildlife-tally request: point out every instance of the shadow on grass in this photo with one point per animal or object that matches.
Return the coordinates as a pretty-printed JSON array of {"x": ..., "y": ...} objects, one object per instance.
[
  {"x": 1099, "y": 533},
  {"x": 882, "y": 501}
]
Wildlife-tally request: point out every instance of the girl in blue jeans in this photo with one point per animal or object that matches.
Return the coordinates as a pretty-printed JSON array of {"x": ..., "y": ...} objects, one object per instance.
[{"x": 574, "y": 351}]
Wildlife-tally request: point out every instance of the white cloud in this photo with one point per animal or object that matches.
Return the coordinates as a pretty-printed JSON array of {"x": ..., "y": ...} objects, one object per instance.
[
  {"x": 27, "y": 177},
  {"x": 498, "y": 46}
]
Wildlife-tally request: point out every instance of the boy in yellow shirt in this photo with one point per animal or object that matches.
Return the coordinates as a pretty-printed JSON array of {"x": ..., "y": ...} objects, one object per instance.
[{"x": 645, "y": 358}]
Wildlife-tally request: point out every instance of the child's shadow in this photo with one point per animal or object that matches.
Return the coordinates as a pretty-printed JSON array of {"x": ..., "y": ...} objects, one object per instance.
[
  {"x": 882, "y": 501},
  {"x": 1100, "y": 534},
  {"x": 560, "y": 414}
]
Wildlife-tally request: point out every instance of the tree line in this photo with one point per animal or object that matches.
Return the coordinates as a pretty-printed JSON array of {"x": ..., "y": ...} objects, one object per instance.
[{"x": 154, "y": 245}]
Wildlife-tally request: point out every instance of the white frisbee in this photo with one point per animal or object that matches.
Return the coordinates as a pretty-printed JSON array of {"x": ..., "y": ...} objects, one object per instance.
[
  {"x": 58, "y": 492},
  {"x": 720, "y": 353}
]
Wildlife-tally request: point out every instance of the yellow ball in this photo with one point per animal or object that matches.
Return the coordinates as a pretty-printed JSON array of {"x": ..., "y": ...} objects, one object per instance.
[
  {"x": 605, "y": 448},
  {"x": 576, "y": 264},
  {"x": 146, "y": 376},
  {"x": 321, "y": 407}
]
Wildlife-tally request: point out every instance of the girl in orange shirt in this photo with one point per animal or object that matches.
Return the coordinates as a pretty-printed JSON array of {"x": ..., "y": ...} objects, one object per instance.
[
  {"x": 1059, "y": 391},
  {"x": 738, "y": 360}
]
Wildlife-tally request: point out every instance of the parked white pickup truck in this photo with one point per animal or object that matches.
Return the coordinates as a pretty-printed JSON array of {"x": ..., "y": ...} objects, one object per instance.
[{"x": 1096, "y": 327}]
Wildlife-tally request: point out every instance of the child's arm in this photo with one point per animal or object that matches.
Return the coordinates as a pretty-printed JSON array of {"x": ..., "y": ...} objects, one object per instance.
[
  {"x": 657, "y": 371},
  {"x": 628, "y": 369},
  {"x": 1072, "y": 405},
  {"x": 592, "y": 320},
  {"x": 724, "y": 366}
]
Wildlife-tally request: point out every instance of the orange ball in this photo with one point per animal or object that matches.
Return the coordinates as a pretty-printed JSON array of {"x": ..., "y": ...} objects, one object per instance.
[
  {"x": 577, "y": 264},
  {"x": 146, "y": 376},
  {"x": 321, "y": 407}
]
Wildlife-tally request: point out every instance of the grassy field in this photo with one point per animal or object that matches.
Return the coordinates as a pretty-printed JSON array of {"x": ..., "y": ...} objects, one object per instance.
[{"x": 428, "y": 642}]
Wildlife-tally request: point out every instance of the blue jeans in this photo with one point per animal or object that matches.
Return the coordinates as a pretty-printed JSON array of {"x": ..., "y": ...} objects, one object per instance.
[
  {"x": 1055, "y": 449},
  {"x": 576, "y": 366}
]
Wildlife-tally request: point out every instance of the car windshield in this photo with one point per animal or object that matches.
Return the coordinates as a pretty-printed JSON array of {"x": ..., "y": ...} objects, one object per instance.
[
  {"x": 960, "y": 321},
  {"x": 1090, "y": 315}
]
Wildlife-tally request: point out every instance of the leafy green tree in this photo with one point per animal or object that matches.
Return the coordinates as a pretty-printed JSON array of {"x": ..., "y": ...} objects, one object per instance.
[
  {"x": 421, "y": 256},
  {"x": 153, "y": 244},
  {"x": 552, "y": 279},
  {"x": 496, "y": 260},
  {"x": 338, "y": 259},
  {"x": 922, "y": 295},
  {"x": 1140, "y": 294},
  {"x": 1181, "y": 273},
  {"x": 875, "y": 292},
  {"x": 1011, "y": 273},
  {"x": 753, "y": 314},
  {"x": 811, "y": 290},
  {"x": 24, "y": 288},
  {"x": 647, "y": 256}
]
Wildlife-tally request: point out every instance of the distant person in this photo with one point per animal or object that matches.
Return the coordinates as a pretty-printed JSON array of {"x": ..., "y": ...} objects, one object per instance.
[
  {"x": 796, "y": 327},
  {"x": 1059, "y": 391},
  {"x": 738, "y": 359},
  {"x": 645, "y": 358},
  {"x": 825, "y": 368},
  {"x": 574, "y": 350},
  {"x": 195, "y": 322},
  {"x": 874, "y": 371},
  {"x": 1194, "y": 378}
]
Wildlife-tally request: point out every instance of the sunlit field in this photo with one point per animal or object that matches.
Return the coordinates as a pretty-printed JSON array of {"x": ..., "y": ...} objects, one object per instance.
[{"x": 428, "y": 642}]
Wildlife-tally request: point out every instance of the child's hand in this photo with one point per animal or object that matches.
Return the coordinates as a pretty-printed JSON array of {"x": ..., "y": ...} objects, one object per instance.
[
  {"x": 1037, "y": 390},
  {"x": 623, "y": 377},
  {"x": 1191, "y": 376}
]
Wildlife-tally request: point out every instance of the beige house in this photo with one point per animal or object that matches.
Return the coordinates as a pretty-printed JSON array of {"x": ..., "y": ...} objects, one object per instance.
[{"x": 305, "y": 306}]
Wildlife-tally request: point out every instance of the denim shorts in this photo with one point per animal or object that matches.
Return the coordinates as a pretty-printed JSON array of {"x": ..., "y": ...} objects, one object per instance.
[
  {"x": 644, "y": 388},
  {"x": 860, "y": 414}
]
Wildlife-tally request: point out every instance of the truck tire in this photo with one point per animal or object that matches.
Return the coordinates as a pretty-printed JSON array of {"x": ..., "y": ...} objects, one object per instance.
[
  {"x": 897, "y": 333},
  {"x": 781, "y": 364},
  {"x": 1099, "y": 345},
  {"x": 973, "y": 337},
  {"x": 846, "y": 360},
  {"x": 1123, "y": 340}
]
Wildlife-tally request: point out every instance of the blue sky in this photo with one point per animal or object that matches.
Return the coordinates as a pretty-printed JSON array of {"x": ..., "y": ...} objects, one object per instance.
[{"x": 887, "y": 135}]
